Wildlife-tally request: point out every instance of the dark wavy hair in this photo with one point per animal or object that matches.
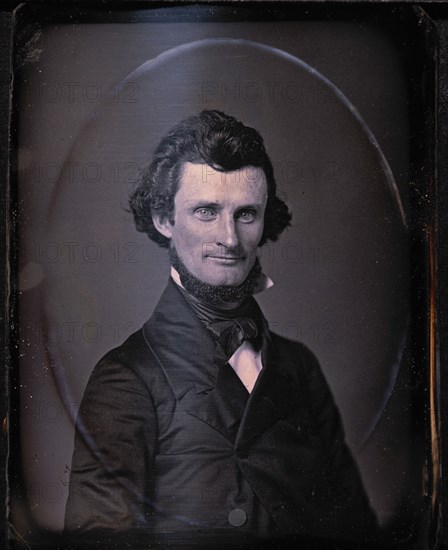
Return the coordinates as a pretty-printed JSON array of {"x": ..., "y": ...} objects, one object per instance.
[{"x": 211, "y": 138}]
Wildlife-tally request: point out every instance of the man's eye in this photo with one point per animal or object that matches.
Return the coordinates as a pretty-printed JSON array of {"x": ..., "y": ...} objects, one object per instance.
[
  {"x": 205, "y": 213},
  {"x": 246, "y": 216}
]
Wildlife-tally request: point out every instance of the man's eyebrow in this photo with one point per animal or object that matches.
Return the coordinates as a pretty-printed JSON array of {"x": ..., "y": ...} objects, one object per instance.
[
  {"x": 211, "y": 204},
  {"x": 251, "y": 205},
  {"x": 204, "y": 203}
]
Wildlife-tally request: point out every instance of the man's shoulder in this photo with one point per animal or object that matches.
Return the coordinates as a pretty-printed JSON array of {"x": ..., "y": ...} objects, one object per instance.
[
  {"x": 132, "y": 358},
  {"x": 297, "y": 361},
  {"x": 286, "y": 348},
  {"x": 132, "y": 349},
  {"x": 294, "y": 346}
]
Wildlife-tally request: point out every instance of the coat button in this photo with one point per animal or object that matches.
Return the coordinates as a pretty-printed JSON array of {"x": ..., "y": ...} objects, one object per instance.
[{"x": 237, "y": 517}]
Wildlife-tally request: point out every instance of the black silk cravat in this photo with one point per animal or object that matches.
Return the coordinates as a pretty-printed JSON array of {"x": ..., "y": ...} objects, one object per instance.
[
  {"x": 230, "y": 328},
  {"x": 231, "y": 334}
]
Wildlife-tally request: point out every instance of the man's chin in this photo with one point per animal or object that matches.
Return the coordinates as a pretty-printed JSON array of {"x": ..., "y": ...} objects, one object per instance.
[{"x": 219, "y": 281}]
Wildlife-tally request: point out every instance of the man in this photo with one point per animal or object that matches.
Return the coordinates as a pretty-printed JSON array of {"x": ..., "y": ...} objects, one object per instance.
[{"x": 204, "y": 422}]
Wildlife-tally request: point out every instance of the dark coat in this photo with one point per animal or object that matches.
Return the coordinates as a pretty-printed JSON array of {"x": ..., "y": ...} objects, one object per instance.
[{"x": 167, "y": 441}]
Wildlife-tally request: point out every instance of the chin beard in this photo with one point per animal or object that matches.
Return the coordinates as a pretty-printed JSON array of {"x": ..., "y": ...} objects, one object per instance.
[{"x": 215, "y": 294}]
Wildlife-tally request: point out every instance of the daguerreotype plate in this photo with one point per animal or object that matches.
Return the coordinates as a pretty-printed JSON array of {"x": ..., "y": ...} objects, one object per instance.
[{"x": 345, "y": 100}]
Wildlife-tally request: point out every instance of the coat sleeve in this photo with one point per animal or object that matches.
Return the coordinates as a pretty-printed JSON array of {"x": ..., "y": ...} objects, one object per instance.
[
  {"x": 343, "y": 499},
  {"x": 115, "y": 437}
]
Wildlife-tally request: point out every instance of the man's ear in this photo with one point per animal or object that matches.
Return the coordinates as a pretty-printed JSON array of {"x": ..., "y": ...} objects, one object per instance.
[{"x": 162, "y": 224}]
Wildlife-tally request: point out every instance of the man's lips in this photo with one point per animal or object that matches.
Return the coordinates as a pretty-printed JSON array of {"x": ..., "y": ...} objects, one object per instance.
[{"x": 225, "y": 258}]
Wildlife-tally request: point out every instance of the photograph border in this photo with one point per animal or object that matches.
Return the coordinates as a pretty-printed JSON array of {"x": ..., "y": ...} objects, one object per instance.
[{"x": 430, "y": 241}]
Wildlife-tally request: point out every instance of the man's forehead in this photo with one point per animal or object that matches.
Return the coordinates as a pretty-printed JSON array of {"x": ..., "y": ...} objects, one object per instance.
[{"x": 249, "y": 177}]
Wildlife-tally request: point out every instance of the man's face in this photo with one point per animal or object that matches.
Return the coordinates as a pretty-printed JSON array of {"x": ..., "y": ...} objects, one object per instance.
[{"x": 218, "y": 222}]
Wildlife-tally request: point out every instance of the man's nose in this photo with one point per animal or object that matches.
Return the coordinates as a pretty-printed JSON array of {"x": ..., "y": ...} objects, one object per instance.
[{"x": 227, "y": 233}]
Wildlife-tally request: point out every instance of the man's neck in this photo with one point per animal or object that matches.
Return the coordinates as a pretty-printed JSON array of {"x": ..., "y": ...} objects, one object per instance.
[
  {"x": 264, "y": 284},
  {"x": 226, "y": 306}
]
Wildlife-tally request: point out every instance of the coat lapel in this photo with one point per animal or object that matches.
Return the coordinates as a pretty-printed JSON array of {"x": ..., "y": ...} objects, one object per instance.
[
  {"x": 181, "y": 344},
  {"x": 223, "y": 406},
  {"x": 274, "y": 396},
  {"x": 185, "y": 351}
]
